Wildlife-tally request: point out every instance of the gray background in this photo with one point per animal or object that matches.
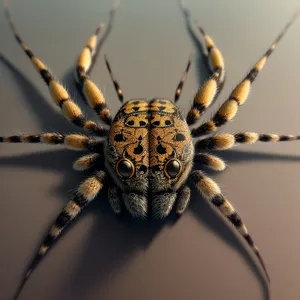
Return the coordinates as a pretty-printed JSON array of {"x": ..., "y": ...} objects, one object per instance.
[{"x": 199, "y": 257}]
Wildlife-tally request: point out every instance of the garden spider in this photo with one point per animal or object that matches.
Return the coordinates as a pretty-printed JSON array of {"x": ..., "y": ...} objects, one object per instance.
[{"x": 149, "y": 149}]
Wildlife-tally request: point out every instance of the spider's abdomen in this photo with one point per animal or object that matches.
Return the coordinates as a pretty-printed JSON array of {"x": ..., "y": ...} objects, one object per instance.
[{"x": 150, "y": 148}]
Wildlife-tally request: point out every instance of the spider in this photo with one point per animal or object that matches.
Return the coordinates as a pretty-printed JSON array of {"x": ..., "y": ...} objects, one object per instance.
[{"x": 148, "y": 149}]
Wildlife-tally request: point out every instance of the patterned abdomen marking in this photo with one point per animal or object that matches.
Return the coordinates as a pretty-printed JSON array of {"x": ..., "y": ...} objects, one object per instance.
[
  {"x": 150, "y": 134},
  {"x": 170, "y": 140},
  {"x": 129, "y": 133}
]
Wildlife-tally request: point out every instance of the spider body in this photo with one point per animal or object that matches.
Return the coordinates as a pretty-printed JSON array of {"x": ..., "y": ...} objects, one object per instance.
[
  {"x": 148, "y": 149},
  {"x": 150, "y": 155}
]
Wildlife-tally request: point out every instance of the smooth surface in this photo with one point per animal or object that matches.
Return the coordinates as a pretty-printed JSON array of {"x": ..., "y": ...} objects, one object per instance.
[{"x": 198, "y": 257}]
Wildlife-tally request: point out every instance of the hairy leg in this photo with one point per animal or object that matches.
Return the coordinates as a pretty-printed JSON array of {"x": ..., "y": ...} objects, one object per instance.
[
  {"x": 58, "y": 93},
  {"x": 239, "y": 95},
  {"x": 71, "y": 141},
  {"x": 86, "y": 192},
  {"x": 214, "y": 62},
  {"x": 87, "y": 87},
  {"x": 210, "y": 161},
  {"x": 212, "y": 193},
  {"x": 86, "y": 162},
  {"x": 227, "y": 141}
]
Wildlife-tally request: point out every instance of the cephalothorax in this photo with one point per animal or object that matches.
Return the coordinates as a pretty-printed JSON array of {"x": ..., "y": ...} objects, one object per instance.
[{"x": 148, "y": 149}]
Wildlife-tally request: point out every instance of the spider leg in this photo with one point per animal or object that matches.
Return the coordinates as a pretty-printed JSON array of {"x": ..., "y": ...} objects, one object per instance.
[
  {"x": 212, "y": 193},
  {"x": 96, "y": 51},
  {"x": 182, "y": 80},
  {"x": 207, "y": 93},
  {"x": 214, "y": 62},
  {"x": 114, "y": 199},
  {"x": 239, "y": 95},
  {"x": 217, "y": 142},
  {"x": 86, "y": 192},
  {"x": 71, "y": 141},
  {"x": 227, "y": 141},
  {"x": 93, "y": 95},
  {"x": 210, "y": 161},
  {"x": 86, "y": 162},
  {"x": 213, "y": 57},
  {"x": 115, "y": 82},
  {"x": 58, "y": 93},
  {"x": 184, "y": 196}
]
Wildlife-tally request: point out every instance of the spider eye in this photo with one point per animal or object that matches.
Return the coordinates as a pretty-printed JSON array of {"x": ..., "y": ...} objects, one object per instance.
[
  {"x": 172, "y": 168},
  {"x": 125, "y": 168}
]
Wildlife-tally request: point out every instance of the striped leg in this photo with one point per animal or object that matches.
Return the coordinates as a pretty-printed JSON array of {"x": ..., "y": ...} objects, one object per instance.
[
  {"x": 204, "y": 97},
  {"x": 71, "y": 141},
  {"x": 213, "y": 57},
  {"x": 212, "y": 193},
  {"x": 59, "y": 94},
  {"x": 86, "y": 192},
  {"x": 227, "y": 141},
  {"x": 210, "y": 161},
  {"x": 87, "y": 87},
  {"x": 219, "y": 141},
  {"x": 182, "y": 80},
  {"x": 240, "y": 94},
  {"x": 115, "y": 82},
  {"x": 86, "y": 162},
  {"x": 215, "y": 65}
]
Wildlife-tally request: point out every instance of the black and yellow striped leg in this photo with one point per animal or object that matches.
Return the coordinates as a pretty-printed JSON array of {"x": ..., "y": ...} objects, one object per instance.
[
  {"x": 184, "y": 196},
  {"x": 239, "y": 95},
  {"x": 210, "y": 161},
  {"x": 86, "y": 162},
  {"x": 59, "y": 94},
  {"x": 213, "y": 57},
  {"x": 114, "y": 80},
  {"x": 215, "y": 64},
  {"x": 114, "y": 199},
  {"x": 105, "y": 35},
  {"x": 88, "y": 88},
  {"x": 182, "y": 80},
  {"x": 86, "y": 193},
  {"x": 212, "y": 193},
  {"x": 204, "y": 97},
  {"x": 92, "y": 94},
  {"x": 227, "y": 141},
  {"x": 90, "y": 51},
  {"x": 71, "y": 141},
  {"x": 252, "y": 137}
]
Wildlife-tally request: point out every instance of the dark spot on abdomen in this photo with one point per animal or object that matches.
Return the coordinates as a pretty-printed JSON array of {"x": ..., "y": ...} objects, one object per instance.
[
  {"x": 179, "y": 137},
  {"x": 119, "y": 137},
  {"x": 138, "y": 150},
  {"x": 160, "y": 149},
  {"x": 130, "y": 123}
]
